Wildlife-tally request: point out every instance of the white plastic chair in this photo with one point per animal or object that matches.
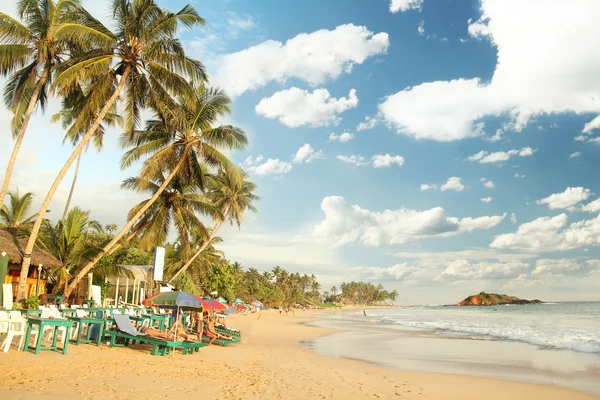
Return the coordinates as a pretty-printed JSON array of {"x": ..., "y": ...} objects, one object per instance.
[
  {"x": 16, "y": 328},
  {"x": 4, "y": 318}
]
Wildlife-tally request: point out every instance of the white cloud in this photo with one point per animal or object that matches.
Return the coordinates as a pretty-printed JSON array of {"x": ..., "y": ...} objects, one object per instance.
[
  {"x": 269, "y": 167},
  {"x": 551, "y": 234},
  {"x": 575, "y": 155},
  {"x": 307, "y": 154},
  {"x": 487, "y": 184},
  {"x": 567, "y": 199},
  {"x": 593, "y": 206},
  {"x": 519, "y": 176},
  {"x": 386, "y": 160},
  {"x": 345, "y": 223},
  {"x": 342, "y": 138},
  {"x": 353, "y": 159},
  {"x": 497, "y": 136},
  {"x": 405, "y": 5},
  {"x": 453, "y": 183},
  {"x": 425, "y": 186},
  {"x": 513, "y": 218},
  {"x": 483, "y": 157},
  {"x": 421, "y": 28},
  {"x": 295, "y": 107},
  {"x": 529, "y": 78},
  {"x": 561, "y": 267},
  {"x": 369, "y": 123},
  {"x": 590, "y": 126},
  {"x": 311, "y": 57},
  {"x": 486, "y": 199},
  {"x": 241, "y": 23},
  {"x": 464, "y": 269}
]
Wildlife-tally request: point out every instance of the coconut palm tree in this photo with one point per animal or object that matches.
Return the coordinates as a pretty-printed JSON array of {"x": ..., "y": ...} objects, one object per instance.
[
  {"x": 203, "y": 263},
  {"x": 232, "y": 197},
  {"x": 76, "y": 119},
  {"x": 29, "y": 55},
  {"x": 182, "y": 144},
  {"x": 15, "y": 217},
  {"x": 177, "y": 205},
  {"x": 69, "y": 243},
  {"x": 142, "y": 59}
]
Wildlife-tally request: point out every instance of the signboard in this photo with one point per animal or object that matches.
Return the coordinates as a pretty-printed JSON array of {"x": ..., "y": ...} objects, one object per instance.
[{"x": 159, "y": 263}]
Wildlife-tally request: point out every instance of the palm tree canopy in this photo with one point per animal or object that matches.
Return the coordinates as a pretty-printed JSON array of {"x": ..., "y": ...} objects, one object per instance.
[
  {"x": 178, "y": 205},
  {"x": 16, "y": 215},
  {"x": 232, "y": 197},
  {"x": 187, "y": 132},
  {"x": 142, "y": 48},
  {"x": 30, "y": 48}
]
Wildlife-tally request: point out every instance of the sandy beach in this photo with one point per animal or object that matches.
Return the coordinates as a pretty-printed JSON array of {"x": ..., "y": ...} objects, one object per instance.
[{"x": 269, "y": 363}]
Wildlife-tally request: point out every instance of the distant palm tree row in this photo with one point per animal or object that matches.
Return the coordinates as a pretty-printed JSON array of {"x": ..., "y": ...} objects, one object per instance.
[{"x": 105, "y": 77}]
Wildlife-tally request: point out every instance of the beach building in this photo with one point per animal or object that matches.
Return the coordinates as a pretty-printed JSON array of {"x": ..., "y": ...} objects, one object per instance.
[
  {"x": 42, "y": 262},
  {"x": 132, "y": 287}
]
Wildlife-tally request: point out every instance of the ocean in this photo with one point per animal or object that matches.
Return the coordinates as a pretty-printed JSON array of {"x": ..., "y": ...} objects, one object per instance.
[{"x": 551, "y": 343}]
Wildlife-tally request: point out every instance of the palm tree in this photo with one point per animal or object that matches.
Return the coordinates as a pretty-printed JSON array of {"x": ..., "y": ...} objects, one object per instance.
[
  {"x": 177, "y": 205},
  {"x": 68, "y": 242},
  {"x": 142, "y": 58},
  {"x": 232, "y": 197},
  {"x": 15, "y": 217},
  {"x": 181, "y": 144},
  {"x": 76, "y": 119},
  {"x": 30, "y": 53},
  {"x": 203, "y": 263}
]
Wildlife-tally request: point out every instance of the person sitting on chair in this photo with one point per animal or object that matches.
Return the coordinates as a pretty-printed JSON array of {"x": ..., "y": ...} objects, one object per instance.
[{"x": 212, "y": 333}]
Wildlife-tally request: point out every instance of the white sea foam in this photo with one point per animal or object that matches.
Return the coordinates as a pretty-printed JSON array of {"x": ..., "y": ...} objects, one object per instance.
[{"x": 572, "y": 326}]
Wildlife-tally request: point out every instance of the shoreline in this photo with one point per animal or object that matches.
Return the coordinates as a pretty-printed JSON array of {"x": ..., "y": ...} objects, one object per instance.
[{"x": 269, "y": 363}]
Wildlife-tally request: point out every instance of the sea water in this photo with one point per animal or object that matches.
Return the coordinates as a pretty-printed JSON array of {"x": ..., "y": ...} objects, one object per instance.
[{"x": 550, "y": 343}]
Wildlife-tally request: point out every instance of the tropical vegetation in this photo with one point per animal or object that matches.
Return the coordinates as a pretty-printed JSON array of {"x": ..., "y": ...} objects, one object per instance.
[{"x": 138, "y": 77}]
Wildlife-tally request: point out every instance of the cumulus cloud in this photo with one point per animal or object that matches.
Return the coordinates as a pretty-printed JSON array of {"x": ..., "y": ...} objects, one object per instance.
[
  {"x": 590, "y": 126},
  {"x": 345, "y": 223},
  {"x": 405, "y": 5},
  {"x": 593, "y": 206},
  {"x": 464, "y": 269},
  {"x": 529, "y": 79},
  {"x": 386, "y": 160},
  {"x": 295, "y": 107},
  {"x": 486, "y": 199},
  {"x": 313, "y": 57},
  {"x": 307, "y": 154},
  {"x": 273, "y": 166},
  {"x": 560, "y": 267},
  {"x": 425, "y": 186},
  {"x": 421, "y": 28},
  {"x": 513, "y": 218},
  {"x": 353, "y": 159},
  {"x": 567, "y": 199},
  {"x": 487, "y": 183},
  {"x": 483, "y": 157},
  {"x": 342, "y": 138},
  {"x": 551, "y": 234},
  {"x": 519, "y": 176},
  {"x": 369, "y": 123},
  {"x": 575, "y": 155},
  {"x": 453, "y": 183}
]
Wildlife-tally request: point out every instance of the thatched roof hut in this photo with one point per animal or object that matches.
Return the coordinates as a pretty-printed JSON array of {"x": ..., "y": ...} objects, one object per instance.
[{"x": 14, "y": 248}]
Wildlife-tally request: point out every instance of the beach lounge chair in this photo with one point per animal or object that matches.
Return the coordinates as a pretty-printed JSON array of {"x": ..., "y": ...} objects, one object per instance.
[{"x": 126, "y": 331}]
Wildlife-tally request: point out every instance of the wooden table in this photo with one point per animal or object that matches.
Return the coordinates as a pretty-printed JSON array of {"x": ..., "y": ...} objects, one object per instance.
[
  {"x": 41, "y": 323},
  {"x": 89, "y": 322}
]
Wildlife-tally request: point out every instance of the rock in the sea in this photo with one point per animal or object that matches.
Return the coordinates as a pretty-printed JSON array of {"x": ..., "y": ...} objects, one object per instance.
[{"x": 494, "y": 299}]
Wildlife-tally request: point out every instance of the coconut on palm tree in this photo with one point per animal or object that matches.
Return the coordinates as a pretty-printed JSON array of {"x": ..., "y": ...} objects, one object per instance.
[
  {"x": 142, "y": 61},
  {"x": 184, "y": 144},
  {"x": 29, "y": 55}
]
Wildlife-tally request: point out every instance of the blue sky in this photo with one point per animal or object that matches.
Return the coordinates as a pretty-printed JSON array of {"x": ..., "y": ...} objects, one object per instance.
[{"x": 352, "y": 107}]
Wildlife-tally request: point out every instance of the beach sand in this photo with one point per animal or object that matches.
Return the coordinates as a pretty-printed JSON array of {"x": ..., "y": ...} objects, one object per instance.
[{"x": 269, "y": 363}]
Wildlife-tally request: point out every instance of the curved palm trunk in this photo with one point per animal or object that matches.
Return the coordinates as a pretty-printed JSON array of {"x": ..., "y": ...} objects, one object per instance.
[
  {"x": 40, "y": 217},
  {"x": 126, "y": 228},
  {"x": 72, "y": 189},
  {"x": 191, "y": 260},
  {"x": 21, "y": 133}
]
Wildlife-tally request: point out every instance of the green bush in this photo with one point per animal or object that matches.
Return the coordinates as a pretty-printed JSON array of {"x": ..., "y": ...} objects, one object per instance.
[{"x": 32, "y": 302}]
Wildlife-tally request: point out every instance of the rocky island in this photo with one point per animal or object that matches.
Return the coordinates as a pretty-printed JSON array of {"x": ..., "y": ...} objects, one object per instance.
[{"x": 494, "y": 299}]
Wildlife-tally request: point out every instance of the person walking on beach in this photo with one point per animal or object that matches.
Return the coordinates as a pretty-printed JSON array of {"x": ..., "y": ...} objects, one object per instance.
[{"x": 364, "y": 312}]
